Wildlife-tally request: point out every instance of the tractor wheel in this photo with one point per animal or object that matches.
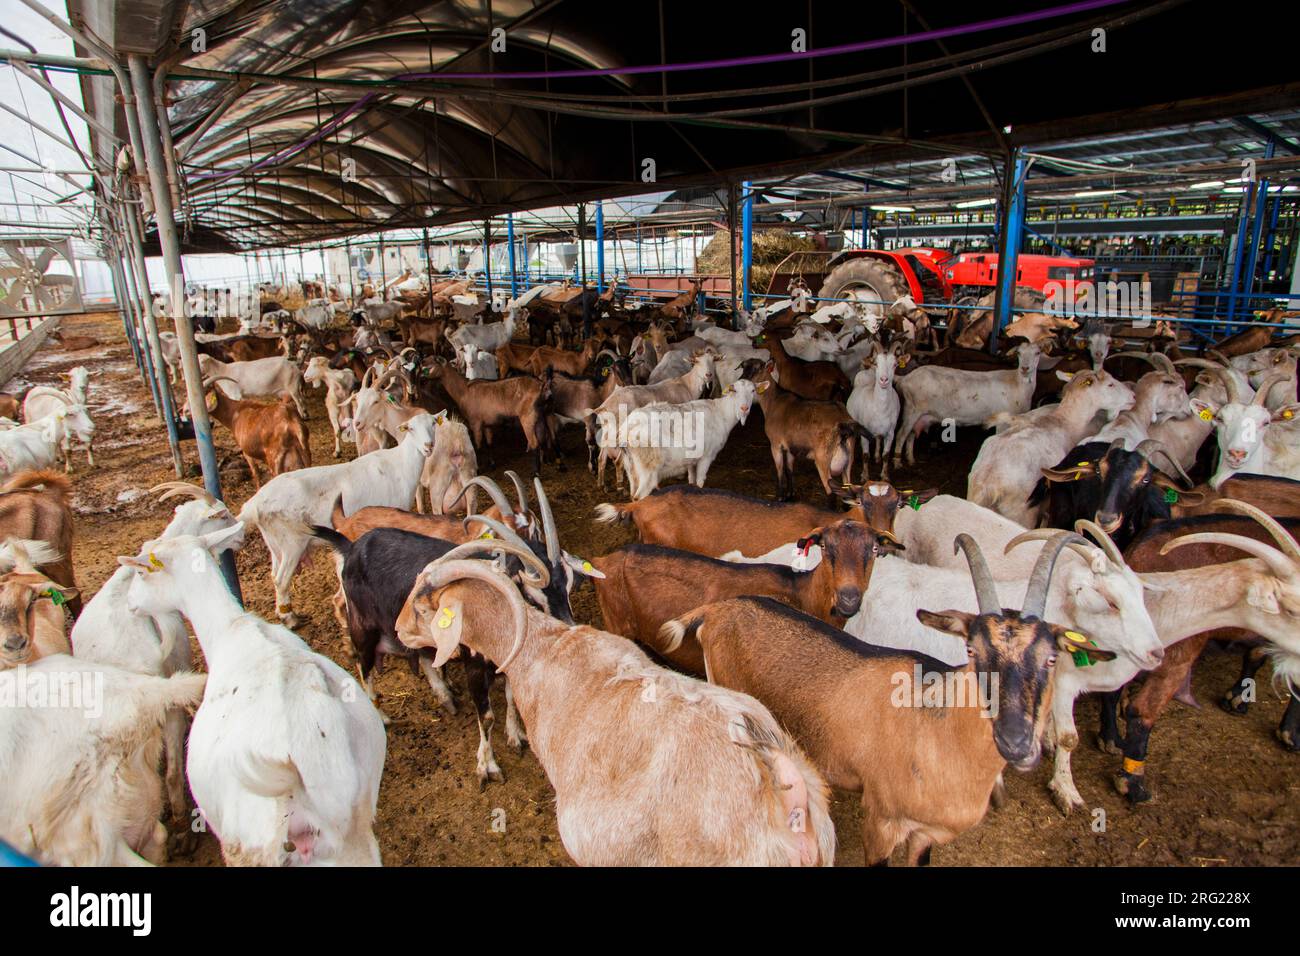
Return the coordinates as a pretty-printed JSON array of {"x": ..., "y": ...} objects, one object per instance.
[{"x": 875, "y": 279}]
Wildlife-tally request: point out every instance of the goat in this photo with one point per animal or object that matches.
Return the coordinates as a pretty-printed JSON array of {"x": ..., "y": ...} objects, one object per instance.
[
  {"x": 705, "y": 775},
  {"x": 1009, "y": 464},
  {"x": 489, "y": 337},
  {"x": 285, "y": 752},
  {"x": 867, "y": 714},
  {"x": 562, "y": 360},
  {"x": 712, "y": 522},
  {"x": 874, "y": 404},
  {"x": 42, "y": 401},
  {"x": 107, "y": 633},
  {"x": 288, "y": 502},
  {"x": 645, "y": 585},
  {"x": 485, "y": 405},
  {"x": 338, "y": 384},
  {"x": 273, "y": 434},
  {"x": 36, "y": 506},
  {"x": 1251, "y": 438},
  {"x": 37, "y": 444},
  {"x": 666, "y": 441},
  {"x": 573, "y": 399},
  {"x": 814, "y": 381},
  {"x": 447, "y": 472},
  {"x": 32, "y": 617},
  {"x": 822, "y": 432},
  {"x": 81, "y": 788},
  {"x": 259, "y": 378},
  {"x": 932, "y": 394}
]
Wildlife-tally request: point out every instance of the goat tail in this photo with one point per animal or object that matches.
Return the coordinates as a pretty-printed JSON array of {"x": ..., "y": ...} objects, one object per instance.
[
  {"x": 672, "y": 633},
  {"x": 42, "y": 480},
  {"x": 608, "y": 513},
  {"x": 801, "y": 807},
  {"x": 248, "y": 513},
  {"x": 329, "y": 537}
]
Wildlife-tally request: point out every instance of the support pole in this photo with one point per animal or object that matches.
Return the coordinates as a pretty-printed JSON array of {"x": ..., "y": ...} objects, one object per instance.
[
  {"x": 171, "y": 250},
  {"x": 1257, "y": 233},
  {"x": 428, "y": 267},
  {"x": 731, "y": 248},
  {"x": 1012, "y": 228},
  {"x": 747, "y": 243},
  {"x": 487, "y": 256},
  {"x": 600, "y": 246},
  {"x": 1238, "y": 255},
  {"x": 167, "y": 411},
  {"x": 510, "y": 239},
  {"x": 582, "y": 244}
]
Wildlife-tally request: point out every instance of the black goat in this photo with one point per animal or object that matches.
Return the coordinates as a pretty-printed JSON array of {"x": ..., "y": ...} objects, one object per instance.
[{"x": 1120, "y": 490}]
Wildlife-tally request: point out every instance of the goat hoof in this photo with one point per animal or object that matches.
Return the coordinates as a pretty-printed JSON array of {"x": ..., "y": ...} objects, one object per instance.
[
  {"x": 1064, "y": 802},
  {"x": 1134, "y": 787},
  {"x": 290, "y": 620},
  {"x": 518, "y": 746},
  {"x": 1108, "y": 746},
  {"x": 1231, "y": 703},
  {"x": 1287, "y": 740}
]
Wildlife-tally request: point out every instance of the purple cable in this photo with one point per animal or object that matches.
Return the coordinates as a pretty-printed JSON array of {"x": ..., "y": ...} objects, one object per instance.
[{"x": 1009, "y": 21}]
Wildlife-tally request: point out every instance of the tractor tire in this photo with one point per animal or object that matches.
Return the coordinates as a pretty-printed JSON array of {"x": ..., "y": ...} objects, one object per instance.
[{"x": 880, "y": 280}]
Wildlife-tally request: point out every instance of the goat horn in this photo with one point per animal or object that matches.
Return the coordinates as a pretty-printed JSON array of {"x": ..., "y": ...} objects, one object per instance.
[
  {"x": 509, "y": 536},
  {"x": 1131, "y": 353},
  {"x": 1284, "y": 539},
  {"x": 493, "y": 491},
  {"x": 1086, "y": 549},
  {"x": 1221, "y": 372},
  {"x": 1161, "y": 361},
  {"x": 1267, "y": 384},
  {"x": 521, "y": 492},
  {"x": 1277, "y": 562},
  {"x": 1153, "y": 446},
  {"x": 1104, "y": 540},
  {"x": 985, "y": 593},
  {"x": 551, "y": 535},
  {"x": 440, "y": 574},
  {"x": 1040, "y": 580},
  {"x": 174, "y": 488},
  {"x": 1218, "y": 356}
]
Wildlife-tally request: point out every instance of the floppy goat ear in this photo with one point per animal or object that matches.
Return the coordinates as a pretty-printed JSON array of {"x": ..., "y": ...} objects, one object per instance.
[
  {"x": 956, "y": 623},
  {"x": 1072, "y": 642},
  {"x": 1073, "y": 473},
  {"x": 227, "y": 539}
]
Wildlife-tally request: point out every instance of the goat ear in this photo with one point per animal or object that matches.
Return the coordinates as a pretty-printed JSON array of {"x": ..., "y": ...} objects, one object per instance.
[
  {"x": 1065, "y": 376},
  {"x": 1287, "y": 413},
  {"x": 1205, "y": 410},
  {"x": 1072, "y": 642},
  {"x": 956, "y": 623},
  {"x": 446, "y": 628},
  {"x": 131, "y": 561},
  {"x": 227, "y": 539},
  {"x": 1070, "y": 474}
]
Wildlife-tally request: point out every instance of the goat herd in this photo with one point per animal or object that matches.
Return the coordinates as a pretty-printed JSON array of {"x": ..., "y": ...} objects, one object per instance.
[{"x": 894, "y": 643}]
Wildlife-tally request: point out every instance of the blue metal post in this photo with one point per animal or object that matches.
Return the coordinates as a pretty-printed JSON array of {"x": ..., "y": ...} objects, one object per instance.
[
  {"x": 510, "y": 238},
  {"x": 1247, "y": 197},
  {"x": 638, "y": 249},
  {"x": 1269, "y": 235},
  {"x": 1013, "y": 214},
  {"x": 600, "y": 246},
  {"x": 1257, "y": 232},
  {"x": 746, "y": 242}
]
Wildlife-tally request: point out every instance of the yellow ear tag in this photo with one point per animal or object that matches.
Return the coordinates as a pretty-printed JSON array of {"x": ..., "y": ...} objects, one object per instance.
[
  {"x": 486, "y": 534},
  {"x": 1288, "y": 414},
  {"x": 586, "y": 567},
  {"x": 902, "y": 360},
  {"x": 1206, "y": 415},
  {"x": 440, "y": 418},
  {"x": 154, "y": 563},
  {"x": 445, "y": 618}
]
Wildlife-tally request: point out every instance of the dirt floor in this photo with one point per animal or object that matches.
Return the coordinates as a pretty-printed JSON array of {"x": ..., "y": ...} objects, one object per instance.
[{"x": 1226, "y": 792}]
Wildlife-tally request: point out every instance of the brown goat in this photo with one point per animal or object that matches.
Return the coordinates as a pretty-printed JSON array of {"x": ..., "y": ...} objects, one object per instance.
[
  {"x": 646, "y": 585},
  {"x": 1243, "y": 343},
  {"x": 815, "y": 381},
  {"x": 1276, "y": 496},
  {"x": 926, "y": 764},
  {"x": 562, "y": 360},
  {"x": 513, "y": 357},
  {"x": 32, "y": 619},
  {"x": 712, "y": 522},
  {"x": 270, "y": 432},
  {"x": 11, "y": 406},
  {"x": 35, "y": 506},
  {"x": 822, "y": 432},
  {"x": 486, "y": 404}
]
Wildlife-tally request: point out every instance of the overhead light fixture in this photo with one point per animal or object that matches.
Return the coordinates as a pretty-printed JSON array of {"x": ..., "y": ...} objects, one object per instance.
[
  {"x": 893, "y": 208},
  {"x": 972, "y": 203},
  {"x": 1209, "y": 184},
  {"x": 1090, "y": 193}
]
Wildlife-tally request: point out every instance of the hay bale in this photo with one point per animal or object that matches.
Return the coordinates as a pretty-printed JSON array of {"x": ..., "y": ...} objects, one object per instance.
[{"x": 770, "y": 248}]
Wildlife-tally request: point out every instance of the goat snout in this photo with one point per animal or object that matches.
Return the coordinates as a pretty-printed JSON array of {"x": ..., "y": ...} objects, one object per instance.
[
  {"x": 1022, "y": 751},
  {"x": 15, "y": 644},
  {"x": 1109, "y": 521},
  {"x": 1237, "y": 456},
  {"x": 847, "y": 601}
]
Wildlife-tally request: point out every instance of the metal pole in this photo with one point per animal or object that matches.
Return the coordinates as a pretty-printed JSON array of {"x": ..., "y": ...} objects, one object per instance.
[
  {"x": 510, "y": 238},
  {"x": 1243, "y": 221},
  {"x": 1013, "y": 214},
  {"x": 487, "y": 255},
  {"x": 1269, "y": 235},
  {"x": 527, "y": 266},
  {"x": 582, "y": 244},
  {"x": 731, "y": 248},
  {"x": 171, "y": 250},
  {"x": 1261, "y": 208},
  {"x": 600, "y": 246},
  {"x": 122, "y": 296},
  {"x": 747, "y": 242},
  {"x": 428, "y": 267}
]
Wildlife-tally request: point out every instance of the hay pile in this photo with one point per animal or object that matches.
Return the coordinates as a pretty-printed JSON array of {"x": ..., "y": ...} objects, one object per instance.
[{"x": 770, "y": 247}]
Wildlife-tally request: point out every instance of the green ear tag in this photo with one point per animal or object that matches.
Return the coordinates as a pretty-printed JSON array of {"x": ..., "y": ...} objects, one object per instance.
[
  {"x": 55, "y": 595},
  {"x": 1171, "y": 496},
  {"x": 1081, "y": 658},
  {"x": 914, "y": 502}
]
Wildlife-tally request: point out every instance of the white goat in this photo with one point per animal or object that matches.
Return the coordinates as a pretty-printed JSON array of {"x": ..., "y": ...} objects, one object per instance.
[
  {"x": 1009, "y": 464},
  {"x": 874, "y": 404},
  {"x": 37, "y": 444},
  {"x": 106, "y": 633},
  {"x": 338, "y": 384},
  {"x": 286, "y": 750},
  {"x": 260, "y": 378},
  {"x": 42, "y": 401},
  {"x": 963, "y": 396},
  {"x": 80, "y": 771},
  {"x": 1251, "y": 438},
  {"x": 489, "y": 337},
  {"x": 289, "y": 504},
  {"x": 667, "y": 441}
]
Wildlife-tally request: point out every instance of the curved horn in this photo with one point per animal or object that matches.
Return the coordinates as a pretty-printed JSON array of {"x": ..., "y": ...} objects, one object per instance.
[
  {"x": 1230, "y": 383},
  {"x": 174, "y": 488},
  {"x": 438, "y": 575},
  {"x": 1132, "y": 353},
  {"x": 985, "y": 593},
  {"x": 1086, "y": 549},
  {"x": 1218, "y": 356},
  {"x": 1040, "y": 581},
  {"x": 521, "y": 492},
  {"x": 508, "y": 536},
  {"x": 1267, "y": 384},
  {"x": 1274, "y": 527},
  {"x": 1278, "y": 563},
  {"x": 493, "y": 491},
  {"x": 1153, "y": 446},
  {"x": 1104, "y": 540},
  {"x": 1162, "y": 362},
  {"x": 551, "y": 535}
]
